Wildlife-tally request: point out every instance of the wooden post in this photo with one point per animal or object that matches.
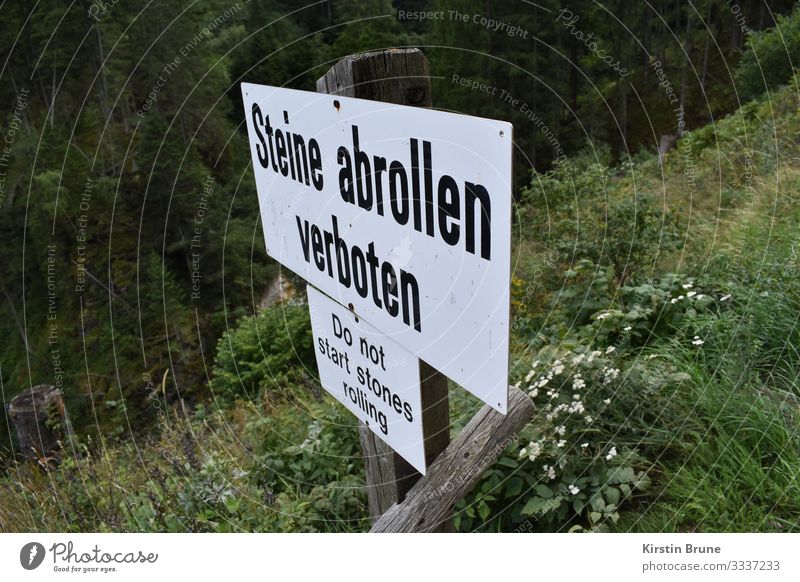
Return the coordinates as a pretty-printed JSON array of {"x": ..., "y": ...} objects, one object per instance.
[
  {"x": 400, "y": 76},
  {"x": 458, "y": 468}
]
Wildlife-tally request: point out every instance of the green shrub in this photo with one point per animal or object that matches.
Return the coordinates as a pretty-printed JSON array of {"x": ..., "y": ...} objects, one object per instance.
[
  {"x": 767, "y": 63},
  {"x": 579, "y": 212},
  {"x": 268, "y": 351}
]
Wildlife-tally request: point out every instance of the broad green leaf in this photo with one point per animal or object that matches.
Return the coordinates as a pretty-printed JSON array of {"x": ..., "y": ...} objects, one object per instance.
[
  {"x": 514, "y": 487},
  {"x": 612, "y": 495},
  {"x": 597, "y": 502},
  {"x": 508, "y": 462},
  {"x": 484, "y": 511}
]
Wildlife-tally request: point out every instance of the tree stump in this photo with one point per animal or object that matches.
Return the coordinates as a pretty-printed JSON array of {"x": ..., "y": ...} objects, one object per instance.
[{"x": 41, "y": 422}]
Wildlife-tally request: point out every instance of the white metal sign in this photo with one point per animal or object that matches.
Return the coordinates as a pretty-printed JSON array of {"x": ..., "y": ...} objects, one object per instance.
[
  {"x": 375, "y": 378},
  {"x": 402, "y": 213}
]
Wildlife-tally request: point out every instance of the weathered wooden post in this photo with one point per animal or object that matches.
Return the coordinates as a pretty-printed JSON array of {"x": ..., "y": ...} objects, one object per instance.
[
  {"x": 457, "y": 470},
  {"x": 41, "y": 421},
  {"x": 400, "y": 76}
]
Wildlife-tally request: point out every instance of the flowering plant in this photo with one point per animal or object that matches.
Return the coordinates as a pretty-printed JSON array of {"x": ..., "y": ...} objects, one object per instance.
[
  {"x": 576, "y": 469},
  {"x": 563, "y": 473}
]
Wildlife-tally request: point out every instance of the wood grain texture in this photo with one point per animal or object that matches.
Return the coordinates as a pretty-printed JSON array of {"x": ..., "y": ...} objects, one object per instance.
[
  {"x": 400, "y": 76},
  {"x": 390, "y": 476},
  {"x": 456, "y": 471}
]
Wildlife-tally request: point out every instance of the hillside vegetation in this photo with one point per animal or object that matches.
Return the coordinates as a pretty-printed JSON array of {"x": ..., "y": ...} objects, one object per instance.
[{"x": 655, "y": 325}]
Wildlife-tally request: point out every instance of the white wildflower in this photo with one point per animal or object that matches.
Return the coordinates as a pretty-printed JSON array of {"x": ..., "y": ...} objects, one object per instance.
[
  {"x": 529, "y": 376},
  {"x": 561, "y": 429},
  {"x": 534, "y": 393},
  {"x": 611, "y": 374},
  {"x": 611, "y": 454},
  {"x": 560, "y": 444},
  {"x": 577, "y": 406},
  {"x": 535, "y": 451},
  {"x": 724, "y": 297},
  {"x": 610, "y": 350},
  {"x": 574, "y": 490},
  {"x": 687, "y": 286},
  {"x": 584, "y": 445},
  {"x": 603, "y": 315},
  {"x": 523, "y": 452},
  {"x": 627, "y": 328},
  {"x": 691, "y": 294},
  {"x": 607, "y": 401},
  {"x": 697, "y": 341},
  {"x": 556, "y": 411},
  {"x": 550, "y": 472},
  {"x": 578, "y": 359}
]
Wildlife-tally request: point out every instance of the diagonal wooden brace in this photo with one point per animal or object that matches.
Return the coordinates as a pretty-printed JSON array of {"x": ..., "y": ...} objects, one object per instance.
[{"x": 458, "y": 468}]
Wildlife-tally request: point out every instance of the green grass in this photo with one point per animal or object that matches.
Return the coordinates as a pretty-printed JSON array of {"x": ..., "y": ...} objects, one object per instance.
[{"x": 733, "y": 461}]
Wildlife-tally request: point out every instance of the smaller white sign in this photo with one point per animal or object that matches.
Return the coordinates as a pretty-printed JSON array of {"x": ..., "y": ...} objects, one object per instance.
[{"x": 374, "y": 377}]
